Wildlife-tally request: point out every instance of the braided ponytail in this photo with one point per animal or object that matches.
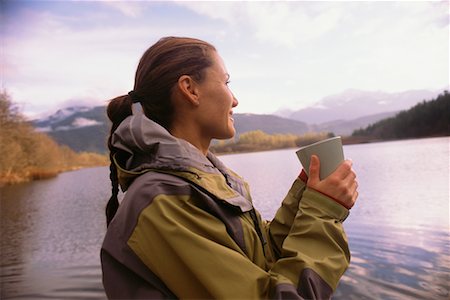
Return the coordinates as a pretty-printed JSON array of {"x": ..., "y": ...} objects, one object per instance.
[
  {"x": 118, "y": 110},
  {"x": 158, "y": 71}
]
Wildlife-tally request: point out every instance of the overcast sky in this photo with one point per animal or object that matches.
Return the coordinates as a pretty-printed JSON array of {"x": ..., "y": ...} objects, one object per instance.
[{"x": 279, "y": 54}]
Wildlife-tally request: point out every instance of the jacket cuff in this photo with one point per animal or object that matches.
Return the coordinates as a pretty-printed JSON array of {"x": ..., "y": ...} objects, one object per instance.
[
  {"x": 326, "y": 206},
  {"x": 304, "y": 177},
  {"x": 332, "y": 198}
]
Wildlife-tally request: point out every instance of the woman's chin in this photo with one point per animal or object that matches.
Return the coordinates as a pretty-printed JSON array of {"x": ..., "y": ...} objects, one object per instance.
[
  {"x": 232, "y": 132},
  {"x": 228, "y": 134}
]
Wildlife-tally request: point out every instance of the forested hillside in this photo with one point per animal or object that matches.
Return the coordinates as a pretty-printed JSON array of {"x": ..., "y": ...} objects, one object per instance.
[
  {"x": 27, "y": 154},
  {"x": 428, "y": 118}
]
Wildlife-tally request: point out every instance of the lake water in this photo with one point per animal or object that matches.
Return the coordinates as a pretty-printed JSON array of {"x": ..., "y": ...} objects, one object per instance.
[{"x": 52, "y": 230}]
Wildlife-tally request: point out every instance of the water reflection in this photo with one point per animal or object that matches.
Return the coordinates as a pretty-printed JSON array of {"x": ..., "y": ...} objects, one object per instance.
[
  {"x": 51, "y": 234},
  {"x": 399, "y": 229},
  {"x": 51, "y": 230},
  {"x": 387, "y": 263}
]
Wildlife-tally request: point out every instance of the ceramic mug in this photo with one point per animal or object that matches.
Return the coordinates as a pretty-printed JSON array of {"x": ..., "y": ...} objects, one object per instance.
[{"x": 330, "y": 154}]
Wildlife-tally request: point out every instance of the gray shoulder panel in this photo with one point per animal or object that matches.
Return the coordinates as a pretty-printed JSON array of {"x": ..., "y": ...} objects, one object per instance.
[
  {"x": 119, "y": 261},
  {"x": 312, "y": 286}
]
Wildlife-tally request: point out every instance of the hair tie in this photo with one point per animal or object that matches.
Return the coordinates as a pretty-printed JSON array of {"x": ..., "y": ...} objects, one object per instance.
[{"x": 134, "y": 97}]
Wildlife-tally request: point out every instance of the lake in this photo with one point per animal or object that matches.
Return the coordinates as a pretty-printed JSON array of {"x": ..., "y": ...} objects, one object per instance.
[{"x": 399, "y": 234}]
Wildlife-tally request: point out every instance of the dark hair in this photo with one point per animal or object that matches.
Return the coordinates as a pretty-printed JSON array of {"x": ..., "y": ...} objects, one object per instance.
[{"x": 158, "y": 71}]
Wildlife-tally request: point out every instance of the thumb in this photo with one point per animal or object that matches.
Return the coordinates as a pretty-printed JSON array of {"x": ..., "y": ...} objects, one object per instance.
[{"x": 314, "y": 170}]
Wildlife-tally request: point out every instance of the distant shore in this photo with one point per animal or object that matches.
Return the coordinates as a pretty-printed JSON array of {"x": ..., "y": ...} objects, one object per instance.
[
  {"x": 33, "y": 174},
  {"x": 346, "y": 140},
  {"x": 36, "y": 174}
]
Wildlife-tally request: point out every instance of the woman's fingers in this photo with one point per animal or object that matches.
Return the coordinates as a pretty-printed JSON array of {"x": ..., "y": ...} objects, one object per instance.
[
  {"x": 346, "y": 184},
  {"x": 314, "y": 170},
  {"x": 355, "y": 196},
  {"x": 341, "y": 184},
  {"x": 350, "y": 179},
  {"x": 344, "y": 169}
]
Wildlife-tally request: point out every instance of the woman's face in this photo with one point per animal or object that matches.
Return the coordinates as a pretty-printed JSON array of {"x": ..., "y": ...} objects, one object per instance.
[{"x": 216, "y": 102}]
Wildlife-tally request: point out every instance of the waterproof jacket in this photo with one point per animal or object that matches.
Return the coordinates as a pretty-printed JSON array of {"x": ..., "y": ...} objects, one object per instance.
[{"x": 186, "y": 228}]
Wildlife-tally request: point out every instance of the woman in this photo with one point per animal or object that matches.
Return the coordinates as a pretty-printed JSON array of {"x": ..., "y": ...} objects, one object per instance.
[{"x": 186, "y": 227}]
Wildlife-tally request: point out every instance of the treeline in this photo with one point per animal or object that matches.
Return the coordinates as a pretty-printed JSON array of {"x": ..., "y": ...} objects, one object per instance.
[
  {"x": 260, "y": 141},
  {"x": 27, "y": 154},
  {"x": 428, "y": 118}
]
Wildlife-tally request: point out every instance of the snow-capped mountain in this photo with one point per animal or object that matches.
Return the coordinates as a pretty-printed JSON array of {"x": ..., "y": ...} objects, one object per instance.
[
  {"x": 71, "y": 118},
  {"x": 87, "y": 128},
  {"x": 354, "y": 104}
]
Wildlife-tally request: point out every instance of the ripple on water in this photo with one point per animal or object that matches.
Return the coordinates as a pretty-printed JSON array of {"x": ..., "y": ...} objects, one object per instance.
[
  {"x": 49, "y": 281},
  {"x": 394, "y": 267},
  {"x": 51, "y": 230}
]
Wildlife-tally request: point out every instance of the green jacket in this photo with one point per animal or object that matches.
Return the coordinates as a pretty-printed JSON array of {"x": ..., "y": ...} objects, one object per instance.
[{"x": 187, "y": 229}]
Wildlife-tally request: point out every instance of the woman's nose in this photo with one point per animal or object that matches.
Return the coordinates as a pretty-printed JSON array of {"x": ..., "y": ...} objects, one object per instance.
[{"x": 235, "y": 101}]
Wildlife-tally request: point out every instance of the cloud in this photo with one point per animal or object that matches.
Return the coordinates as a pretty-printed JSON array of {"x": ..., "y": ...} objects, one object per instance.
[
  {"x": 84, "y": 122},
  {"x": 86, "y": 54},
  {"x": 127, "y": 8},
  {"x": 284, "y": 23},
  {"x": 53, "y": 61},
  {"x": 278, "y": 53},
  {"x": 296, "y": 23},
  {"x": 290, "y": 24}
]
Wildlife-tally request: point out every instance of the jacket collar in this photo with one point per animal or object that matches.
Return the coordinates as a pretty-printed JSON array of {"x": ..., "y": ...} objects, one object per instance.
[{"x": 146, "y": 146}]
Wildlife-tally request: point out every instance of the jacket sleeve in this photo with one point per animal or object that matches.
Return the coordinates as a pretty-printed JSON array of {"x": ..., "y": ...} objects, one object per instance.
[
  {"x": 314, "y": 254},
  {"x": 202, "y": 261},
  {"x": 279, "y": 228}
]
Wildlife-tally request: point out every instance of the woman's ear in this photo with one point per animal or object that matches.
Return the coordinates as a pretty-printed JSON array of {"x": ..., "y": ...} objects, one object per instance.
[{"x": 188, "y": 88}]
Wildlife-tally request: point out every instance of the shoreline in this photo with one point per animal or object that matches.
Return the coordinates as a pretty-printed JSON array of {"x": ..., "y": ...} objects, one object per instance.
[
  {"x": 34, "y": 175},
  {"x": 346, "y": 140},
  {"x": 11, "y": 179}
]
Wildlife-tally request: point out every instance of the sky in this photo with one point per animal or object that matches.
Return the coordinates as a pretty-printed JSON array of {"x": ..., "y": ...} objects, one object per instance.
[{"x": 280, "y": 54}]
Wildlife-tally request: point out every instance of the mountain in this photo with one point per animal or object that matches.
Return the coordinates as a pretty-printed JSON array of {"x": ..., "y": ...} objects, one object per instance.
[
  {"x": 80, "y": 128},
  {"x": 87, "y": 129},
  {"x": 269, "y": 124},
  {"x": 71, "y": 118},
  {"x": 354, "y": 104},
  {"x": 428, "y": 118},
  {"x": 346, "y": 127}
]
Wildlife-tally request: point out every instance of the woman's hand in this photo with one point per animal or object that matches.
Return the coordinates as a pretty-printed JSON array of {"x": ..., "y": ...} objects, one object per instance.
[{"x": 341, "y": 185}]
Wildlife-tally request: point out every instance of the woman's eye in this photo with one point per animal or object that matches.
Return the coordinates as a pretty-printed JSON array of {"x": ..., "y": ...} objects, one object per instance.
[{"x": 227, "y": 83}]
